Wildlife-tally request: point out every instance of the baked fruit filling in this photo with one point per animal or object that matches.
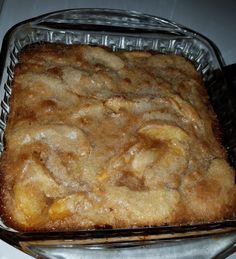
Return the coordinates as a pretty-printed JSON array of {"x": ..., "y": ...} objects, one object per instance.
[{"x": 97, "y": 138}]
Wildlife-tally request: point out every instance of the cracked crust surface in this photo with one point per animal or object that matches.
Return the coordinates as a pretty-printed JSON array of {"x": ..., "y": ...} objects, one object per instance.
[{"x": 120, "y": 139}]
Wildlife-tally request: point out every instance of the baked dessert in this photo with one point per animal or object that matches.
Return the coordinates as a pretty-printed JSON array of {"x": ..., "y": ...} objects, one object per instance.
[{"x": 97, "y": 138}]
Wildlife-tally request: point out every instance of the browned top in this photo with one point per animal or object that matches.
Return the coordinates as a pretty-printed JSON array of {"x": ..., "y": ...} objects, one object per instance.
[{"x": 101, "y": 138}]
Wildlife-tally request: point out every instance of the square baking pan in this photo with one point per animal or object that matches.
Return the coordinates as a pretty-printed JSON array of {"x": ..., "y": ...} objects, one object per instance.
[{"x": 119, "y": 30}]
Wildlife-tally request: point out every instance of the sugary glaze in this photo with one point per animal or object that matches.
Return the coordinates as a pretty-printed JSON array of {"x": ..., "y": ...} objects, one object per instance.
[{"x": 118, "y": 139}]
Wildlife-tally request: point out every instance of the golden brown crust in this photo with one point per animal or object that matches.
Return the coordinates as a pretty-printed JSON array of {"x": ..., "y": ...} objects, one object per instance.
[{"x": 124, "y": 139}]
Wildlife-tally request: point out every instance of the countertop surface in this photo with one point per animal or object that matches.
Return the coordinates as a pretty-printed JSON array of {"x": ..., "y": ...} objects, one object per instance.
[{"x": 214, "y": 19}]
